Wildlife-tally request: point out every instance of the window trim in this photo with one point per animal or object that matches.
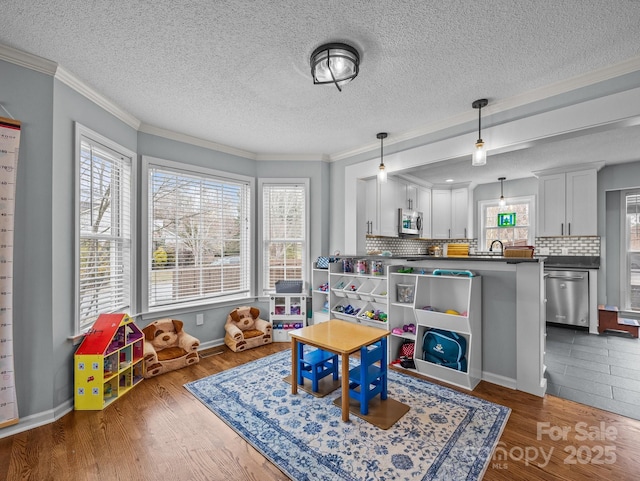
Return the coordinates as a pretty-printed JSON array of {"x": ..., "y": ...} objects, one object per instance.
[
  {"x": 624, "y": 267},
  {"x": 306, "y": 268},
  {"x": 81, "y": 131},
  {"x": 482, "y": 206},
  {"x": 189, "y": 169}
]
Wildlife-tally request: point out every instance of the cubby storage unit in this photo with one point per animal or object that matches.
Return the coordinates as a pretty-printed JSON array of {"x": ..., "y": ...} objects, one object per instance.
[
  {"x": 436, "y": 299},
  {"x": 287, "y": 312},
  {"x": 400, "y": 313},
  {"x": 364, "y": 291},
  {"x": 108, "y": 362},
  {"x": 320, "y": 293}
]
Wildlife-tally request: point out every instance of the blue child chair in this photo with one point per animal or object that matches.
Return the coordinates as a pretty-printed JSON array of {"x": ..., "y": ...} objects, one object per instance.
[
  {"x": 315, "y": 365},
  {"x": 368, "y": 380}
]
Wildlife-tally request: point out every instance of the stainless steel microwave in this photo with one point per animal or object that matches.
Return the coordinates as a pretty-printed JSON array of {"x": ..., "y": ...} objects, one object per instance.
[{"x": 409, "y": 223}]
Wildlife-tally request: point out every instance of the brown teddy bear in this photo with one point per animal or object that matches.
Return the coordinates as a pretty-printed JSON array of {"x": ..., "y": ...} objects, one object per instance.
[
  {"x": 168, "y": 347},
  {"x": 244, "y": 329}
]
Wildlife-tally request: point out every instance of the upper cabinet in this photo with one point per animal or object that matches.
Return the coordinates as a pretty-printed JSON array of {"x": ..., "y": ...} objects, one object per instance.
[
  {"x": 568, "y": 203},
  {"x": 450, "y": 213},
  {"x": 378, "y": 206}
]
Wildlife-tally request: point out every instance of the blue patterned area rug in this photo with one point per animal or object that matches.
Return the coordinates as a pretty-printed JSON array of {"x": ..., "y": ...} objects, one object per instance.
[{"x": 446, "y": 435}]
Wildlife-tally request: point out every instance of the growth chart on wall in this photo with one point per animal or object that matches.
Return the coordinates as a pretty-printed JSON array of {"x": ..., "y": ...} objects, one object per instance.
[{"x": 9, "y": 145}]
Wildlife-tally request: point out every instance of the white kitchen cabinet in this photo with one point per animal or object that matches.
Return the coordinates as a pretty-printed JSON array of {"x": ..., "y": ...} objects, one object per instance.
[
  {"x": 378, "y": 206},
  {"x": 568, "y": 203},
  {"x": 389, "y": 195},
  {"x": 449, "y": 213},
  {"x": 371, "y": 206},
  {"x": 411, "y": 197},
  {"x": 423, "y": 204}
]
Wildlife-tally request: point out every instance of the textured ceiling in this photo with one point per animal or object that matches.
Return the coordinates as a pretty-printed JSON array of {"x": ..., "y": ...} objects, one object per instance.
[{"x": 237, "y": 72}]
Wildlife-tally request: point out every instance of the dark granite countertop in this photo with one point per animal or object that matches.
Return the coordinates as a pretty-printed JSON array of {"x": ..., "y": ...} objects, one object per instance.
[
  {"x": 567, "y": 262},
  {"x": 422, "y": 257}
]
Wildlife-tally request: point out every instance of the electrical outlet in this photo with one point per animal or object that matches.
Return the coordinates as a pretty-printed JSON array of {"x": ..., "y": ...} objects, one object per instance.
[
  {"x": 543, "y": 251},
  {"x": 565, "y": 251},
  {"x": 199, "y": 319}
]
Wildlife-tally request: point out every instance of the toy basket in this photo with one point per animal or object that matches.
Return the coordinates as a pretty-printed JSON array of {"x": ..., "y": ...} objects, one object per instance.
[{"x": 289, "y": 287}]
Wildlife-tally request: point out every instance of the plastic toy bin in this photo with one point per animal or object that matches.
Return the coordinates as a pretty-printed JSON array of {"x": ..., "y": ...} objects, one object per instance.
[{"x": 405, "y": 293}]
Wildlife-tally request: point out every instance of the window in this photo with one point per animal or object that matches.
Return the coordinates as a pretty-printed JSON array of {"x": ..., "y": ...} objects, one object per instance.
[
  {"x": 284, "y": 231},
  {"x": 103, "y": 216},
  {"x": 631, "y": 251},
  {"x": 198, "y": 234},
  {"x": 512, "y": 230}
]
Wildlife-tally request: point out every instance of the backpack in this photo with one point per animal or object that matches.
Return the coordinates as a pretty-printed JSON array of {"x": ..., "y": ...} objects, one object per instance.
[
  {"x": 458, "y": 365},
  {"x": 447, "y": 346}
]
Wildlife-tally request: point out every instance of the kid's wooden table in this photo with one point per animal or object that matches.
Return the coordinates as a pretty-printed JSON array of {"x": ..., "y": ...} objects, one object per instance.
[{"x": 337, "y": 336}]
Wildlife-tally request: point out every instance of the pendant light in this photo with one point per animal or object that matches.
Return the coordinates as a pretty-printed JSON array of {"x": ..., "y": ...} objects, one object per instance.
[
  {"x": 502, "y": 202},
  {"x": 382, "y": 173},
  {"x": 479, "y": 156},
  {"x": 334, "y": 63}
]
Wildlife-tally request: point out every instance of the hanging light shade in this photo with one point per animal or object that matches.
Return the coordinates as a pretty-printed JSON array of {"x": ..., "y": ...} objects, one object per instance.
[
  {"x": 479, "y": 156},
  {"x": 382, "y": 173},
  {"x": 502, "y": 202},
  {"x": 336, "y": 63}
]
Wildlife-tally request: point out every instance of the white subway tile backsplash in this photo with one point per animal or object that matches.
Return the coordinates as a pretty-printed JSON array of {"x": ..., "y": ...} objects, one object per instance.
[{"x": 572, "y": 245}]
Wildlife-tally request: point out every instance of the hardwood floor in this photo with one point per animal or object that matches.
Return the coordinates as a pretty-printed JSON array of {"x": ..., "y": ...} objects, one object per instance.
[{"x": 160, "y": 431}]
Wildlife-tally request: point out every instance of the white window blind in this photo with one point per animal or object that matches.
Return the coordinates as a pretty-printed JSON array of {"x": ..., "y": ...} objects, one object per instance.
[
  {"x": 631, "y": 288},
  {"x": 104, "y": 207},
  {"x": 284, "y": 232},
  {"x": 198, "y": 237}
]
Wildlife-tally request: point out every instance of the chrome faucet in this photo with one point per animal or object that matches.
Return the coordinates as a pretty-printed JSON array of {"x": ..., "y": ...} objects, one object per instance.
[{"x": 501, "y": 246}]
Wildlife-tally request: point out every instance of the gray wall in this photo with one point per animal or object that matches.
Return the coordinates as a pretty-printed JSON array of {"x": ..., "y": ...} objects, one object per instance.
[
  {"x": 44, "y": 289},
  {"x": 28, "y": 95}
]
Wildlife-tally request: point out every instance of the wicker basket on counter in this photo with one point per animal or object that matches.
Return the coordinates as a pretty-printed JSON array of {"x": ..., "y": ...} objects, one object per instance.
[{"x": 519, "y": 251}]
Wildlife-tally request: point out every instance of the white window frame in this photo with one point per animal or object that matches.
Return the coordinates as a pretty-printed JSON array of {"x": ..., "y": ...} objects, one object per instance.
[
  {"x": 145, "y": 245},
  {"x": 625, "y": 257},
  {"x": 262, "y": 254},
  {"x": 482, "y": 208},
  {"x": 82, "y": 132}
]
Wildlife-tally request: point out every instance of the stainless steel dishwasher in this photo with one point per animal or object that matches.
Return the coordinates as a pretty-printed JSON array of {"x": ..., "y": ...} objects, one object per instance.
[{"x": 567, "y": 297}]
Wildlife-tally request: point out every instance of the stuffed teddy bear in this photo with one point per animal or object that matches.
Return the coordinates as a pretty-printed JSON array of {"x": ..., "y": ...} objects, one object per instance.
[
  {"x": 244, "y": 329},
  {"x": 168, "y": 347}
]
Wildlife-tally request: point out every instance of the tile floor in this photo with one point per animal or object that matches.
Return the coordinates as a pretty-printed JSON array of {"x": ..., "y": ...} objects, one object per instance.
[{"x": 600, "y": 371}]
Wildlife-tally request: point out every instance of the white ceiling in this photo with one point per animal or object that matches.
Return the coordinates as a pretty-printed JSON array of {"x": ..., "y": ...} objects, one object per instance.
[{"x": 236, "y": 73}]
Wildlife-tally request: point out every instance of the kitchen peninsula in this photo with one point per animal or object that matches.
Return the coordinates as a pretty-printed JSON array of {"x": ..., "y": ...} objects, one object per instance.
[{"x": 512, "y": 312}]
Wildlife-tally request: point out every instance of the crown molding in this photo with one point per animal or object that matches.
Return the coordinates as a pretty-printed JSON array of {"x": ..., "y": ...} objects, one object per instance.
[
  {"x": 606, "y": 73},
  {"x": 294, "y": 157},
  {"x": 188, "y": 139},
  {"x": 30, "y": 61},
  {"x": 67, "y": 78}
]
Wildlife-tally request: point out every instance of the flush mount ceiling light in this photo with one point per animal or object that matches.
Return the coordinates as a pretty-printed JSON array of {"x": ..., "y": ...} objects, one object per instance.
[
  {"x": 479, "y": 156},
  {"x": 501, "y": 202},
  {"x": 382, "y": 173},
  {"x": 336, "y": 63}
]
